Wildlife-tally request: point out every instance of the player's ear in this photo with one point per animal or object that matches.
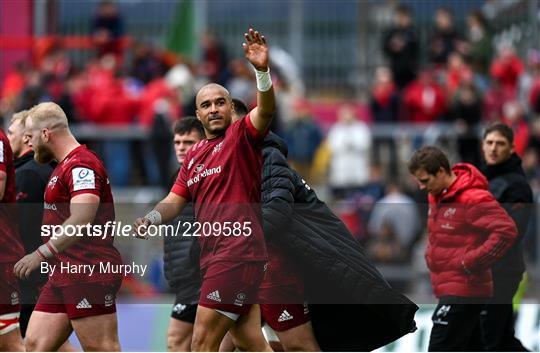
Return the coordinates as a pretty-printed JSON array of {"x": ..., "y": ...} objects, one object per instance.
[{"x": 45, "y": 134}]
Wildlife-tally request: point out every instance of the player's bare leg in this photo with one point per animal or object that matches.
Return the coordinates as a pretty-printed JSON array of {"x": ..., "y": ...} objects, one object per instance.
[
  {"x": 11, "y": 341},
  {"x": 47, "y": 331},
  {"x": 68, "y": 347},
  {"x": 97, "y": 333},
  {"x": 205, "y": 339},
  {"x": 247, "y": 334},
  {"x": 227, "y": 344},
  {"x": 299, "y": 339},
  {"x": 179, "y": 336}
]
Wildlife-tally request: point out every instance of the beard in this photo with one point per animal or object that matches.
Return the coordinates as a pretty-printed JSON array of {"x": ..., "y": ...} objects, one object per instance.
[
  {"x": 219, "y": 129},
  {"x": 43, "y": 154}
]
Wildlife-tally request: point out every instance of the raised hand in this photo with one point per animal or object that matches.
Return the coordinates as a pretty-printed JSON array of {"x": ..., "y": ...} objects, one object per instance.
[{"x": 256, "y": 49}]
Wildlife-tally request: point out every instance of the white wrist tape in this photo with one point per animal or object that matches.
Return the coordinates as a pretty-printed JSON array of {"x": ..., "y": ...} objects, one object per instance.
[
  {"x": 154, "y": 217},
  {"x": 47, "y": 250},
  {"x": 264, "y": 81}
]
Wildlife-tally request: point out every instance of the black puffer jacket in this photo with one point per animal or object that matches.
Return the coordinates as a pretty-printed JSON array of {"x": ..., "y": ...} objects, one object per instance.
[
  {"x": 181, "y": 260},
  {"x": 508, "y": 184},
  {"x": 332, "y": 263},
  {"x": 31, "y": 179},
  {"x": 277, "y": 187}
]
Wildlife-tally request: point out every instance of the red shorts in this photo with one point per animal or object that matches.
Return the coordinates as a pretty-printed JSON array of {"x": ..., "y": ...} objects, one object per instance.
[
  {"x": 9, "y": 290},
  {"x": 292, "y": 313},
  {"x": 80, "y": 300},
  {"x": 282, "y": 317},
  {"x": 231, "y": 286}
]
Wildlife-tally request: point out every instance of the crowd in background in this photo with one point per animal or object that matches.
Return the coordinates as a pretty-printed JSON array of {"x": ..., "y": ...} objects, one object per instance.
[{"x": 468, "y": 81}]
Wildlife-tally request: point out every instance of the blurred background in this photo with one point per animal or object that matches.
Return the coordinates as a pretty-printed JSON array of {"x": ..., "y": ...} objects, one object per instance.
[{"x": 360, "y": 85}]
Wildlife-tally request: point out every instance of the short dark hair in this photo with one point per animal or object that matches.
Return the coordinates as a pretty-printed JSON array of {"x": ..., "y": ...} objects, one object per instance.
[
  {"x": 502, "y": 129},
  {"x": 445, "y": 10},
  {"x": 479, "y": 16},
  {"x": 429, "y": 158},
  {"x": 403, "y": 9},
  {"x": 240, "y": 107},
  {"x": 187, "y": 124}
]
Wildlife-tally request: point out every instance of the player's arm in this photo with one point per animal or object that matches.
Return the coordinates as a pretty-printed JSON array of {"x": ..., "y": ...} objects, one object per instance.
[
  {"x": 164, "y": 212},
  {"x": 486, "y": 215},
  {"x": 83, "y": 209},
  {"x": 256, "y": 52},
  {"x": 3, "y": 180}
]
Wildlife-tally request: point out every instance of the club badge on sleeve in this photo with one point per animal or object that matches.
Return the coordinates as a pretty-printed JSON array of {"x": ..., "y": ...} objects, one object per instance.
[{"x": 83, "y": 178}]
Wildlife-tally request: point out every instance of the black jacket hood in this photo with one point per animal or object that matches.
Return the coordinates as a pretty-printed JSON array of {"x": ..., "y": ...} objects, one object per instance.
[{"x": 273, "y": 140}]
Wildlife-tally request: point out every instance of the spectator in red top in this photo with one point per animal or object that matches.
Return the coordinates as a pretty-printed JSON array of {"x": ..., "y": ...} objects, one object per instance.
[
  {"x": 12, "y": 86},
  {"x": 457, "y": 72},
  {"x": 56, "y": 64},
  {"x": 99, "y": 76},
  {"x": 157, "y": 89},
  {"x": 530, "y": 83},
  {"x": 113, "y": 105},
  {"x": 513, "y": 117},
  {"x": 384, "y": 97},
  {"x": 424, "y": 100},
  {"x": 468, "y": 231},
  {"x": 14, "y": 81},
  {"x": 506, "y": 68},
  {"x": 494, "y": 100}
]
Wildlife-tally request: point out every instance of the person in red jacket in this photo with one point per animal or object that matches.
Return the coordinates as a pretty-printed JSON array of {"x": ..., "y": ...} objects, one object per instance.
[
  {"x": 506, "y": 68},
  {"x": 424, "y": 100},
  {"x": 468, "y": 231}
]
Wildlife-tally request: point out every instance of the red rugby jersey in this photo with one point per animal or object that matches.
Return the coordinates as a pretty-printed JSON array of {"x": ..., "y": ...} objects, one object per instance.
[
  {"x": 81, "y": 172},
  {"x": 222, "y": 177},
  {"x": 11, "y": 246}
]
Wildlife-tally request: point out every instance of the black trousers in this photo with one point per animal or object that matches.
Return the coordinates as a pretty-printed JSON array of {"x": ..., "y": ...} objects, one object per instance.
[
  {"x": 456, "y": 325},
  {"x": 497, "y": 318}
]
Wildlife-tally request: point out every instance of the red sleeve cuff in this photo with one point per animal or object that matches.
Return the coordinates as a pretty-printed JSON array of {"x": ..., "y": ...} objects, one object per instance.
[
  {"x": 253, "y": 131},
  {"x": 2, "y": 167},
  {"x": 180, "y": 191}
]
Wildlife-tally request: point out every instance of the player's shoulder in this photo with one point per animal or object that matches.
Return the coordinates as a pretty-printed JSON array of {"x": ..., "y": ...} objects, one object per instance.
[
  {"x": 4, "y": 141},
  {"x": 197, "y": 147},
  {"x": 476, "y": 195},
  {"x": 3, "y": 136},
  {"x": 5, "y": 149},
  {"x": 82, "y": 158},
  {"x": 236, "y": 128},
  {"x": 240, "y": 123}
]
